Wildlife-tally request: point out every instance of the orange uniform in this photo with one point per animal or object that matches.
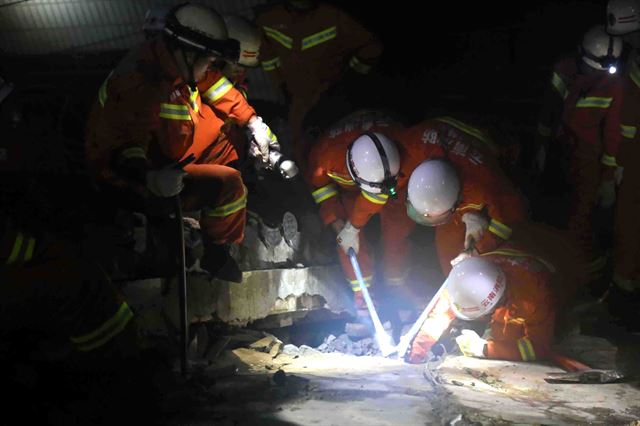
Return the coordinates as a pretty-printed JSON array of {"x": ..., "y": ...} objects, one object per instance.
[
  {"x": 522, "y": 327},
  {"x": 308, "y": 52},
  {"x": 627, "y": 225},
  {"x": 484, "y": 187},
  {"x": 583, "y": 111},
  {"x": 49, "y": 287},
  {"x": 339, "y": 197},
  {"x": 148, "y": 117}
]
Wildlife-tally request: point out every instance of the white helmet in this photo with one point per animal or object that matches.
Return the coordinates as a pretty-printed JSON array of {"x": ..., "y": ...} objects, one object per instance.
[
  {"x": 154, "y": 20},
  {"x": 600, "y": 50},
  {"x": 373, "y": 161},
  {"x": 475, "y": 286},
  {"x": 623, "y": 16},
  {"x": 434, "y": 192},
  {"x": 202, "y": 29},
  {"x": 249, "y": 37}
]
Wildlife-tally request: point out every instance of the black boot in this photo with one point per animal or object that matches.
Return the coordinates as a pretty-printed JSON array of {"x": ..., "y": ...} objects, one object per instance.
[{"x": 217, "y": 261}]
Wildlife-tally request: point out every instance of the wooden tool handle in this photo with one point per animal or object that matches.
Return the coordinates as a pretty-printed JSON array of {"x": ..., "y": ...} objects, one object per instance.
[{"x": 567, "y": 363}]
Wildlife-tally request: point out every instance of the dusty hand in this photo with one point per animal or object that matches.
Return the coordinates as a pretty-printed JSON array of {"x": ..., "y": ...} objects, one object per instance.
[
  {"x": 349, "y": 237},
  {"x": 263, "y": 138},
  {"x": 475, "y": 225},
  {"x": 166, "y": 182},
  {"x": 471, "y": 344}
]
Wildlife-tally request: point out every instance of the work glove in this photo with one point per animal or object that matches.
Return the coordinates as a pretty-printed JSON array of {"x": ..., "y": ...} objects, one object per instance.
[
  {"x": 263, "y": 139},
  {"x": 607, "y": 194},
  {"x": 166, "y": 182},
  {"x": 348, "y": 237},
  {"x": 471, "y": 344},
  {"x": 618, "y": 175},
  {"x": 463, "y": 255},
  {"x": 475, "y": 224},
  {"x": 539, "y": 160}
]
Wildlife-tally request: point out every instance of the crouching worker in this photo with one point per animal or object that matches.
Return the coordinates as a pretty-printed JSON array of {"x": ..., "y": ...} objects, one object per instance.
[{"x": 517, "y": 293}]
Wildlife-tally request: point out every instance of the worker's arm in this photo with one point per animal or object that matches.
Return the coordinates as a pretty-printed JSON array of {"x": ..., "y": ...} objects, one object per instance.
[
  {"x": 365, "y": 46},
  {"x": 499, "y": 201},
  {"x": 366, "y": 205},
  {"x": 218, "y": 92},
  {"x": 325, "y": 192},
  {"x": 436, "y": 323}
]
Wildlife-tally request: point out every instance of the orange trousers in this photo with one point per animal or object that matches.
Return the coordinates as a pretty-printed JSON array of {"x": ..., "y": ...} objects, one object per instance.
[
  {"x": 218, "y": 191},
  {"x": 584, "y": 177}
]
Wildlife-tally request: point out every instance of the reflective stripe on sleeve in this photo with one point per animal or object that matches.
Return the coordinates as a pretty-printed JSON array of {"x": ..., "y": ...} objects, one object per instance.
[
  {"x": 320, "y": 37},
  {"x": 281, "y": 38},
  {"x": 470, "y": 130},
  {"x": 375, "y": 198},
  {"x": 559, "y": 85},
  {"x": 594, "y": 102},
  {"x": 175, "y": 112},
  {"x": 635, "y": 73},
  {"x": 628, "y": 132},
  {"x": 526, "y": 349},
  {"x": 608, "y": 160},
  {"x": 324, "y": 193},
  {"x": 134, "y": 152},
  {"x": 341, "y": 180},
  {"x": 500, "y": 229},
  {"x": 218, "y": 90},
  {"x": 271, "y": 64}
]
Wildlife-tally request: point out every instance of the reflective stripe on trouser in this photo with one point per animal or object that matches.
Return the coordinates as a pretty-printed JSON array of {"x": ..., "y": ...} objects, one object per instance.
[
  {"x": 21, "y": 249},
  {"x": 626, "y": 251},
  {"x": 105, "y": 332},
  {"x": 220, "y": 193},
  {"x": 584, "y": 177},
  {"x": 66, "y": 295}
]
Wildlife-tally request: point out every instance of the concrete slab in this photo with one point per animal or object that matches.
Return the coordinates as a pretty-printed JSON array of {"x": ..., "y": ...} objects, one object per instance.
[{"x": 517, "y": 392}]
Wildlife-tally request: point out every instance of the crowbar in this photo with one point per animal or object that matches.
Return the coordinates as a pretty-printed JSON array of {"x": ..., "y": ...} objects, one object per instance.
[
  {"x": 578, "y": 372},
  {"x": 384, "y": 340}
]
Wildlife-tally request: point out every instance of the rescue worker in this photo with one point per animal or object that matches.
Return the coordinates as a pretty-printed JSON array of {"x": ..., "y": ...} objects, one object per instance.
[
  {"x": 515, "y": 290},
  {"x": 159, "y": 106},
  {"x": 356, "y": 171},
  {"x": 457, "y": 185},
  {"x": 624, "y": 294},
  {"x": 581, "y": 114},
  {"x": 308, "y": 47},
  {"x": 53, "y": 297}
]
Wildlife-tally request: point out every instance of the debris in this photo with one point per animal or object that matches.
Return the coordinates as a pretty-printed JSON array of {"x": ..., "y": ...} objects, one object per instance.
[
  {"x": 291, "y": 350},
  {"x": 457, "y": 383},
  {"x": 275, "y": 349},
  {"x": 265, "y": 344},
  {"x": 308, "y": 350},
  {"x": 455, "y": 420},
  {"x": 280, "y": 378},
  {"x": 484, "y": 377}
]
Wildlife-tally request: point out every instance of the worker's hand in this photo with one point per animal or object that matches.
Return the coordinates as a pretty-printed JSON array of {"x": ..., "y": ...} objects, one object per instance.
[
  {"x": 618, "y": 175},
  {"x": 463, "y": 255},
  {"x": 349, "y": 237},
  {"x": 337, "y": 225},
  {"x": 607, "y": 194},
  {"x": 540, "y": 160},
  {"x": 263, "y": 138},
  {"x": 475, "y": 225},
  {"x": 471, "y": 344},
  {"x": 166, "y": 182}
]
